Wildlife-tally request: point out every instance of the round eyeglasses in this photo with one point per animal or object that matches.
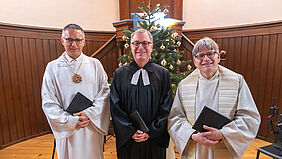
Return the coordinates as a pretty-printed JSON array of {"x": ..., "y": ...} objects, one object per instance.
[
  {"x": 144, "y": 44},
  {"x": 208, "y": 54}
]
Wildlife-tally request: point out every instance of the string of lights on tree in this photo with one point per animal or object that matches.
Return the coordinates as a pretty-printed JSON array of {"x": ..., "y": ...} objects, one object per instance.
[{"x": 166, "y": 43}]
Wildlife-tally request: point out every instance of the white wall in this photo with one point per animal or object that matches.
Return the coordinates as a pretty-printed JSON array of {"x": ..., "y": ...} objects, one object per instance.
[
  {"x": 100, "y": 14},
  {"x": 89, "y": 14},
  {"x": 217, "y": 13}
]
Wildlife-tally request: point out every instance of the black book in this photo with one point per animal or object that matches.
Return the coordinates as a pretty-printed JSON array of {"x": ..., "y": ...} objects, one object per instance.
[
  {"x": 79, "y": 103},
  {"x": 135, "y": 116},
  {"x": 210, "y": 118}
]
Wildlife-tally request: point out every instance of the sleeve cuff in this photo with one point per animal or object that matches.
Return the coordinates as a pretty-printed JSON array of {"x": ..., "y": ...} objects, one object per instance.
[{"x": 71, "y": 123}]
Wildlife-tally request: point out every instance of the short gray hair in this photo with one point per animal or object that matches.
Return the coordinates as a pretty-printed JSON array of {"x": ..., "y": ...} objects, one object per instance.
[
  {"x": 207, "y": 43},
  {"x": 142, "y": 31},
  {"x": 73, "y": 26}
]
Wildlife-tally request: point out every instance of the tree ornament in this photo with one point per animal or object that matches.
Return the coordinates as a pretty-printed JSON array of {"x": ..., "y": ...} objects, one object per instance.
[
  {"x": 178, "y": 62},
  {"x": 162, "y": 47},
  {"x": 158, "y": 6},
  {"x": 153, "y": 28},
  {"x": 178, "y": 43},
  {"x": 125, "y": 64},
  {"x": 163, "y": 63},
  {"x": 144, "y": 16},
  {"x": 171, "y": 67},
  {"x": 120, "y": 64},
  {"x": 126, "y": 46},
  {"x": 158, "y": 25},
  {"x": 174, "y": 35},
  {"x": 166, "y": 11},
  {"x": 124, "y": 38},
  {"x": 189, "y": 67}
]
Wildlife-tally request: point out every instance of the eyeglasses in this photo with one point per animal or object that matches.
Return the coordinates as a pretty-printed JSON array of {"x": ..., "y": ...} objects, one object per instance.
[
  {"x": 208, "y": 54},
  {"x": 71, "y": 40},
  {"x": 144, "y": 44}
]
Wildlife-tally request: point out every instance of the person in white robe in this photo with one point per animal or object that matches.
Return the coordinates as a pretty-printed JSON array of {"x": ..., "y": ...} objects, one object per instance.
[
  {"x": 78, "y": 135},
  {"x": 222, "y": 90}
]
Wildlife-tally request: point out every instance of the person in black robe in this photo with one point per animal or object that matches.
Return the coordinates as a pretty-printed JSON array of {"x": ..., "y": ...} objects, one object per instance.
[{"x": 143, "y": 86}]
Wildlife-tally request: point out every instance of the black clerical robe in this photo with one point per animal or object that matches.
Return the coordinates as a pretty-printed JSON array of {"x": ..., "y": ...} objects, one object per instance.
[{"x": 152, "y": 101}]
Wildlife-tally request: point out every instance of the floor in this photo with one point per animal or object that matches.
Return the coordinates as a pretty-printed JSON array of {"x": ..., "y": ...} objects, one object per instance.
[{"x": 41, "y": 148}]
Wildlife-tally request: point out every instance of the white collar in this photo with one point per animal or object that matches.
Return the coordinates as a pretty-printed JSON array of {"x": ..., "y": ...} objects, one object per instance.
[
  {"x": 69, "y": 59},
  {"x": 215, "y": 76},
  {"x": 145, "y": 77}
]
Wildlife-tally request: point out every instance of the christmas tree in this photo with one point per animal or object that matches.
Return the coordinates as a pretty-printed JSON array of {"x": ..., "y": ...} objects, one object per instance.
[{"x": 166, "y": 44}]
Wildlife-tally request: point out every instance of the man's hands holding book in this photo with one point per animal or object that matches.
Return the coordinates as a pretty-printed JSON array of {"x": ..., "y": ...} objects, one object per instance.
[
  {"x": 209, "y": 138},
  {"x": 140, "y": 136},
  {"x": 83, "y": 120}
]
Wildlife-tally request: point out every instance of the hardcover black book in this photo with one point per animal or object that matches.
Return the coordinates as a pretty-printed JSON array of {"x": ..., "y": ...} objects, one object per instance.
[
  {"x": 135, "y": 116},
  {"x": 79, "y": 103},
  {"x": 210, "y": 118}
]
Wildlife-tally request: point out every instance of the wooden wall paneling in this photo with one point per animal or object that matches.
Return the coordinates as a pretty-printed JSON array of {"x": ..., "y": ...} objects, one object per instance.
[
  {"x": 34, "y": 80},
  {"x": 5, "y": 127},
  {"x": 244, "y": 53},
  {"x": 46, "y": 59},
  {"x": 59, "y": 48},
  {"x": 23, "y": 104},
  {"x": 269, "y": 76},
  {"x": 257, "y": 65},
  {"x": 2, "y": 101},
  {"x": 101, "y": 43},
  {"x": 225, "y": 46},
  {"x": 108, "y": 63},
  {"x": 1, "y": 131},
  {"x": 14, "y": 96},
  {"x": 279, "y": 100},
  {"x": 177, "y": 9},
  {"x": 237, "y": 55},
  {"x": 218, "y": 41},
  {"x": 123, "y": 9},
  {"x": 16, "y": 83},
  {"x": 29, "y": 91},
  {"x": 250, "y": 61},
  {"x": 40, "y": 67},
  {"x": 262, "y": 87},
  {"x": 85, "y": 48},
  {"x": 114, "y": 61},
  {"x": 278, "y": 73},
  {"x": 277, "y": 78},
  {"x": 133, "y": 4},
  {"x": 34, "y": 86},
  {"x": 46, "y": 51},
  {"x": 231, "y": 53},
  {"x": 52, "y": 48},
  {"x": 95, "y": 45},
  {"x": 89, "y": 46}
]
